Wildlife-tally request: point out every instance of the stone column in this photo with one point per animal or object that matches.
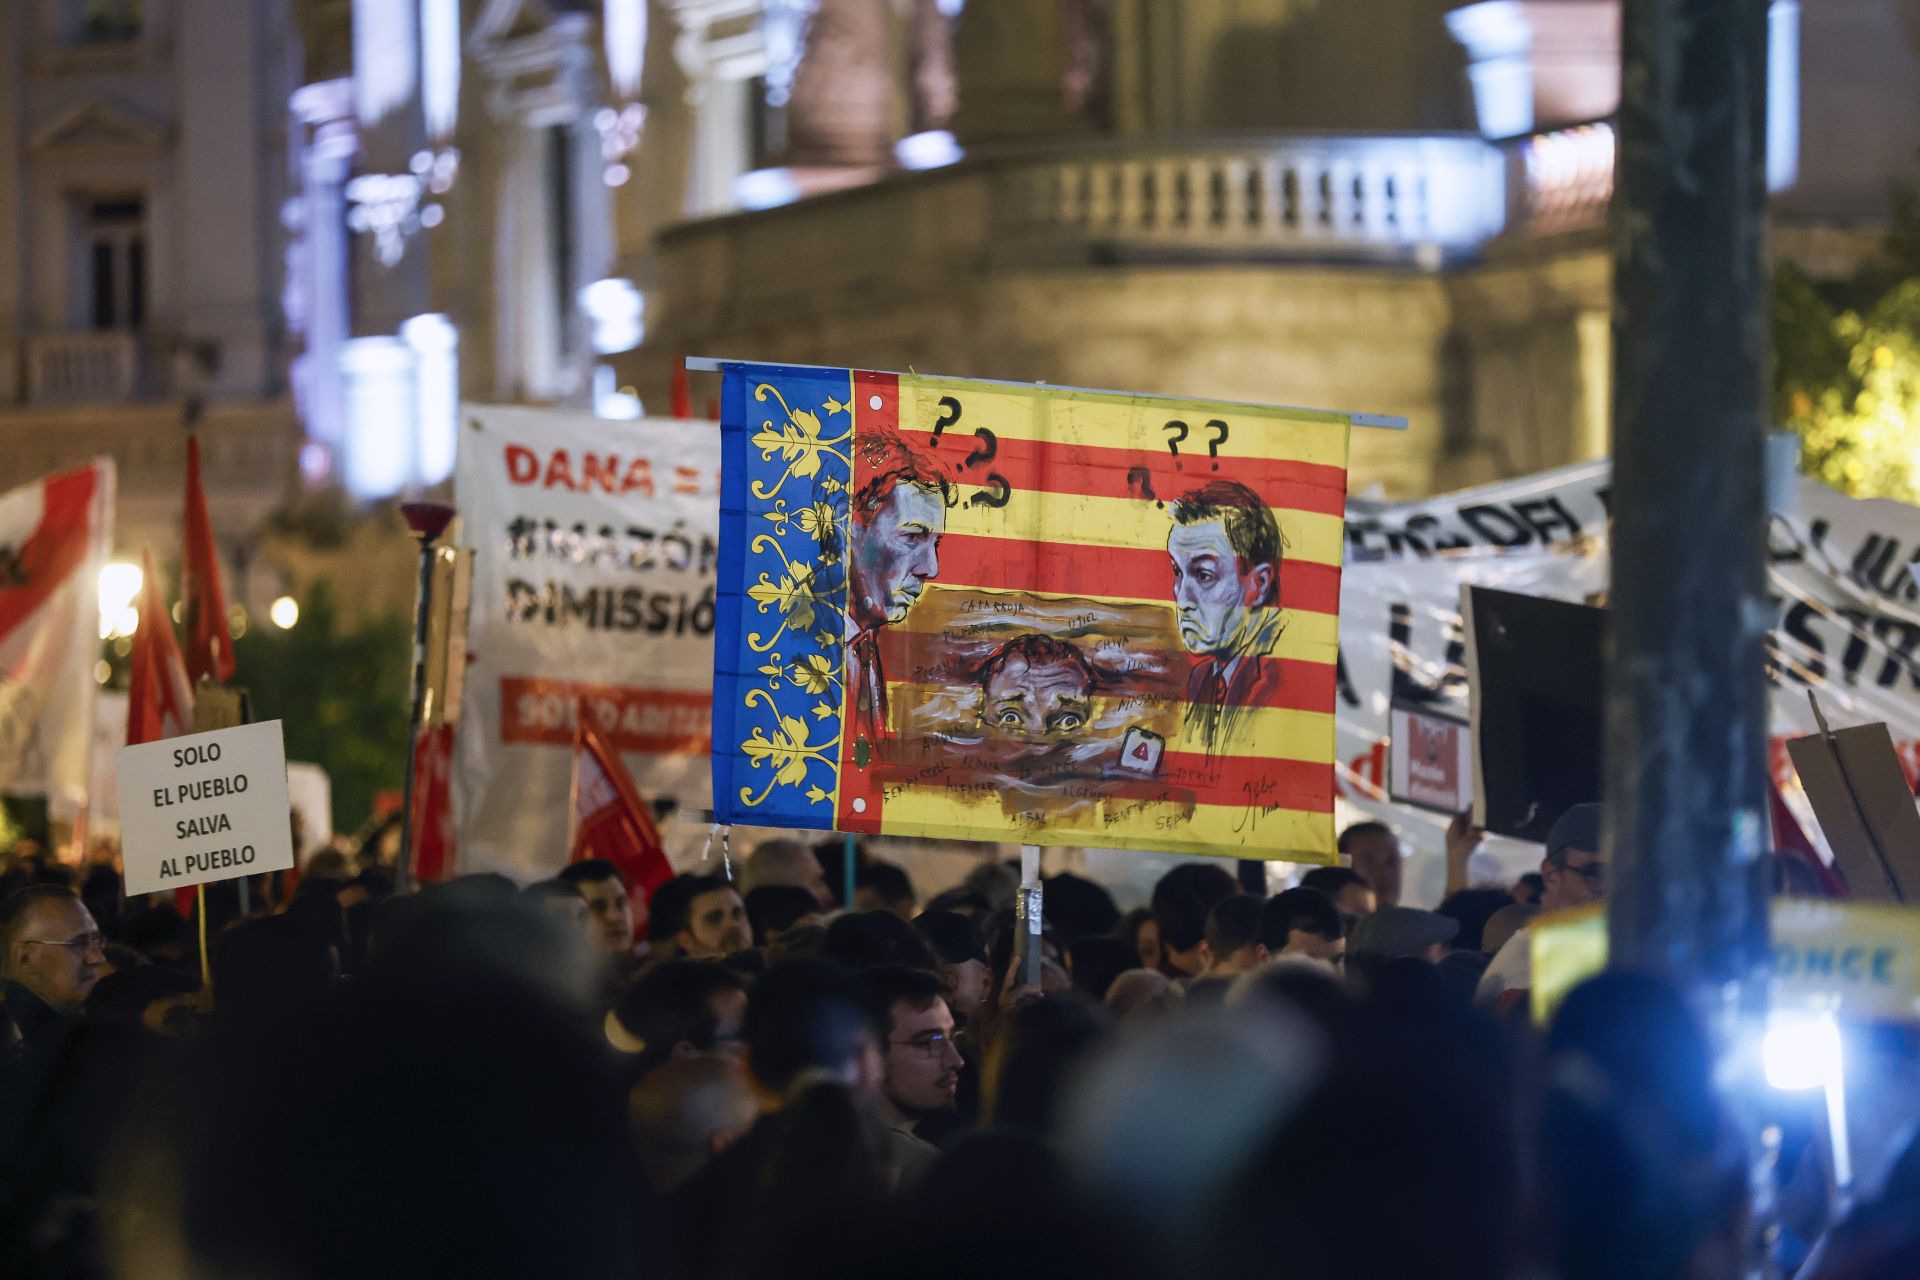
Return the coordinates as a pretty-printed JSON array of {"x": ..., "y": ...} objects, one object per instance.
[{"x": 225, "y": 292}]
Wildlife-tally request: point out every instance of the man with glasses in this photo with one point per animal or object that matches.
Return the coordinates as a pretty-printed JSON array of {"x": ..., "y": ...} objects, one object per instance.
[
  {"x": 52, "y": 954},
  {"x": 921, "y": 1059},
  {"x": 1573, "y": 875}
]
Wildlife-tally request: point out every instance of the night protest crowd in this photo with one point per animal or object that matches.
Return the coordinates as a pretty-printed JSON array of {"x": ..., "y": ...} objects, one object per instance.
[{"x": 479, "y": 1079}]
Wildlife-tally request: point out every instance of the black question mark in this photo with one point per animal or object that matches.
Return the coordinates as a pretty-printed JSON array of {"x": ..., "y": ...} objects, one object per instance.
[
  {"x": 1143, "y": 479},
  {"x": 1173, "y": 442},
  {"x": 988, "y": 450},
  {"x": 1213, "y": 445},
  {"x": 946, "y": 419},
  {"x": 997, "y": 482}
]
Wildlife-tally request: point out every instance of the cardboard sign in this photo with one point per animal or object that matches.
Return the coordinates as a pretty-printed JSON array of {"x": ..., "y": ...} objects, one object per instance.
[
  {"x": 1432, "y": 761},
  {"x": 1859, "y": 792},
  {"x": 1538, "y": 679},
  {"x": 204, "y": 807}
]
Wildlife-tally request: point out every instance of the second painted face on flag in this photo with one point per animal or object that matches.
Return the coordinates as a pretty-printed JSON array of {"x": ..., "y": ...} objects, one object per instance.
[{"x": 999, "y": 612}]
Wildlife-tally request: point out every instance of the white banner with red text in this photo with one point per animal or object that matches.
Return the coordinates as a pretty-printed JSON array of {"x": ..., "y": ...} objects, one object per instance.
[{"x": 594, "y": 545}]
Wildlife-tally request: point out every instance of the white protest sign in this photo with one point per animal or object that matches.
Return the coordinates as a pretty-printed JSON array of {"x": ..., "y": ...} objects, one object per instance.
[
  {"x": 204, "y": 807},
  {"x": 593, "y": 586}
]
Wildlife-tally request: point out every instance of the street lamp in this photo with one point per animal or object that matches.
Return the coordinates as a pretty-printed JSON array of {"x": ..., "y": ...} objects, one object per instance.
[{"x": 119, "y": 588}]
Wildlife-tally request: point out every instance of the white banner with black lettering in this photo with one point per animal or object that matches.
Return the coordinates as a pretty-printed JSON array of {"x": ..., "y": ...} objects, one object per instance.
[
  {"x": 594, "y": 545},
  {"x": 1848, "y": 624}
]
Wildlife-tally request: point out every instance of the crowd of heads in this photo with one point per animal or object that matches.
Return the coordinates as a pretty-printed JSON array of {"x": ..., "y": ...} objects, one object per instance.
[{"x": 740, "y": 1078}]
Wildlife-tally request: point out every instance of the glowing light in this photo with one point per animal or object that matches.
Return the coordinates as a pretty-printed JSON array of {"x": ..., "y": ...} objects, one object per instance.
[
  {"x": 618, "y": 312},
  {"x": 1498, "y": 39},
  {"x": 432, "y": 215},
  {"x": 237, "y": 619},
  {"x": 119, "y": 588},
  {"x": 625, "y": 30},
  {"x": 440, "y": 66},
  {"x": 1783, "y": 94},
  {"x": 765, "y": 189},
  {"x": 617, "y": 175},
  {"x": 435, "y": 343},
  {"x": 383, "y": 58},
  {"x": 284, "y": 612},
  {"x": 1801, "y": 1051},
  {"x": 378, "y": 373},
  {"x": 933, "y": 149},
  {"x": 316, "y": 462},
  {"x": 102, "y": 671},
  {"x": 609, "y": 402},
  {"x": 783, "y": 29}
]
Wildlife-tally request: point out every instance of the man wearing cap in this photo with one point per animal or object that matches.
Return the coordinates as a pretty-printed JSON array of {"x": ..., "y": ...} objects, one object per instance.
[{"x": 1573, "y": 875}]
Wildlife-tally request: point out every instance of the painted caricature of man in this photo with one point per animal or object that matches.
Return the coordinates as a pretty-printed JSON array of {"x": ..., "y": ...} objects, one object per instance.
[
  {"x": 897, "y": 518},
  {"x": 1225, "y": 548},
  {"x": 1035, "y": 686}
]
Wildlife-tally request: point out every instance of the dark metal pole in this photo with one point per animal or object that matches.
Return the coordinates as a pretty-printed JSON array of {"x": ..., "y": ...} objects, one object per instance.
[{"x": 1686, "y": 697}]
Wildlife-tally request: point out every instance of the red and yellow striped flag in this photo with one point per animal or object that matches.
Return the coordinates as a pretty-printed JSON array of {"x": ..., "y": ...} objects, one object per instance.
[{"x": 1002, "y": 612}]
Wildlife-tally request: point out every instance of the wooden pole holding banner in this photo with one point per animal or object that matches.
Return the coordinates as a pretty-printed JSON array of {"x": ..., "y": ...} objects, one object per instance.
[
  {"x": 1030, "y": 918},
  {"x": 206, "y": 965},
  {"x": 849, "y": 855}
]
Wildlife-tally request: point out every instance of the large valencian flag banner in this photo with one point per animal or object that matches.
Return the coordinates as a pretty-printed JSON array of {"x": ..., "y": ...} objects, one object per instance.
[{"x": 993, "y": 611}]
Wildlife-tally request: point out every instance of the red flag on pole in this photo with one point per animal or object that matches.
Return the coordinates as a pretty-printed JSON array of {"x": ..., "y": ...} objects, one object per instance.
[
  {"x": 609, "y": 819},
  {"x": 159, "y": 698},
  {"x": 209, "y": 642},
  {"x": 432, "y": 840}
]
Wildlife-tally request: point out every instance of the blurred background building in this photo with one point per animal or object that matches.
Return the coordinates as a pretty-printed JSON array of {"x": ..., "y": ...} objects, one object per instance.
[
  {"x": 311, "y": 227},
  {"x": 142, "y": 163}
]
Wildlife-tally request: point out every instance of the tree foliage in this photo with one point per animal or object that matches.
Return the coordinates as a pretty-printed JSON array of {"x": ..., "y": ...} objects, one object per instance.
[
  {"x": 341, "y": 694},
  {"x": 1847, "y": 367}
]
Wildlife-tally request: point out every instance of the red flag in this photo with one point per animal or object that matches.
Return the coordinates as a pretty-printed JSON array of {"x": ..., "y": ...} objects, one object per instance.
[
  {"x": 1791, "y": 840},
  {"x": 432, "y": 837},
  {"x": 609, "y": 819},
  {"x": 209, "y": 642},
  {"x": 159, "y": 699}
]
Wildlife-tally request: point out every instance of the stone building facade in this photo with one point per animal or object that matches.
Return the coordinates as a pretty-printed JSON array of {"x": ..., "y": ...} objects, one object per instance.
[{"x": 141, "y": 160}]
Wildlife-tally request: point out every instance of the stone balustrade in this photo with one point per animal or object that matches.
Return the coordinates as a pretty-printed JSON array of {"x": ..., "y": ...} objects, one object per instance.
[{"x": 102, "y": 364}]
